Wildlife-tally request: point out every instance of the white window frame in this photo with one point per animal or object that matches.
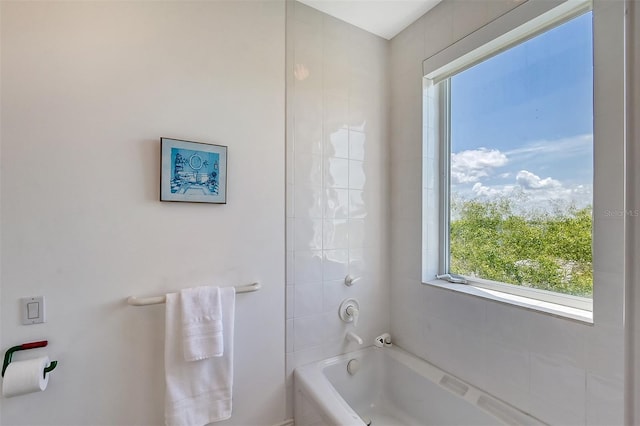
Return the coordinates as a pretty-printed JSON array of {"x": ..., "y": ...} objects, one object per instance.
[{"x": 522, "y": 23}]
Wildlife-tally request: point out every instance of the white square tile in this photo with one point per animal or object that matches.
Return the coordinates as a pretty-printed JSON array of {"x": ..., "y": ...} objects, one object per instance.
[
  {"x": 334, "y": 293},
  {"x": 357, "y": 206},
  {"x": 308, "y": 234},
  {"x": 605, "y": 401},
  {"x": 307, "y": 72},
  {"x": 334, "y": 327},
  {"x": 556, "y": 337},
  {"x": 357, "y": 263},
  {"x": 308, "y": 299},
  {"x": 336, "y": 203},
  {"x": 605, "y": 352},
  {"x": 308, "y": 266},
  {"x": 335, "y": 112},
  {"x": 309, "y": 331},
  {"x": 406, "y": 330},
  {"x": 506, "y": 325},
  {"x": 336, "y": 141},
  {"x": 308, "y": 170},
  {"x": 335, "y": 264},
  {"x": 308, "y": 140},
  {"x": 307, "y": 128},
  {"x": 471, "y": 364},
  {"x": 308, "y": 355},
  {"x": 357, "y": 178},
  {"x": 335, "y": 72},
  {"x": 361, "y": 83},
  {"x": 336, "y": 234},
  {"x": 457, "y": 308},
  {"x": 336, "y": 172},
  {"x": 413, "y": 296},
  {"x": 357, "y": 145},
  {"x": 357, "y": 235},
  {"x": 308, "y": 202},
  {"x": 357, "y": 115},
  {"x": 554, "y": 379},
  {"x": 507, "y": 368}
]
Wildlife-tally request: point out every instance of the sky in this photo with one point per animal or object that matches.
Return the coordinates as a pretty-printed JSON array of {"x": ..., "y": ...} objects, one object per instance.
[{"x": 522, "y": 121}]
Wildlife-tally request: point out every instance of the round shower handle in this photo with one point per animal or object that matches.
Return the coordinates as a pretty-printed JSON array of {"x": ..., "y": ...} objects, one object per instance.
[{"x": 349, "y": 311}]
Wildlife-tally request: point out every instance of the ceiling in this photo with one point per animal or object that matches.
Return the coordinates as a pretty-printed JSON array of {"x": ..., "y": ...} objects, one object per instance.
[{"x": 385, "y": 18}]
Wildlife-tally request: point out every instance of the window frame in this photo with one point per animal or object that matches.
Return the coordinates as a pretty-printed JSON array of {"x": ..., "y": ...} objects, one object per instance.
[{"x": 463, "y": 55}]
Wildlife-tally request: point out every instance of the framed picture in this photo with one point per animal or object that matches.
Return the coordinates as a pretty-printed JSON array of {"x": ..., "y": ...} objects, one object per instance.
[{"x": 193, "y": 172}]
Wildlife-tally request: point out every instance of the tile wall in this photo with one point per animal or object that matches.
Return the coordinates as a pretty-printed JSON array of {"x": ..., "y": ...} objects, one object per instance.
[
  {"x": 337, "y": 184},
  {"x": 561, "y": 371}
]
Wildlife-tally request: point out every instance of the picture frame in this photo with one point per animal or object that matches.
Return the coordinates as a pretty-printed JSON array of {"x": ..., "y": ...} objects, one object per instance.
[{"x": 193, "y": 172}]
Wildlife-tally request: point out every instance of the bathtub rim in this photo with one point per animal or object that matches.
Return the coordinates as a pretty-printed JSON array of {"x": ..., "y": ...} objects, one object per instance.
[{"x": 312, "y": 381}]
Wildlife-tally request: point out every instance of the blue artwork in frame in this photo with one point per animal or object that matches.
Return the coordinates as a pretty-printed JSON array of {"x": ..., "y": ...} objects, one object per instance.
[{"x": 193, "y": 172}]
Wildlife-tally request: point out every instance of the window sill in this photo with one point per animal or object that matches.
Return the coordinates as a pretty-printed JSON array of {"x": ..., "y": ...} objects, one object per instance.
[{"x": 522, "y": 302}]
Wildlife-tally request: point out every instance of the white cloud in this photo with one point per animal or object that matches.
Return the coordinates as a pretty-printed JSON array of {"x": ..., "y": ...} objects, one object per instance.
[
  {"x": 494, "y": 191},
  {"x": 531, "y": 193},
  {"x": 528, "y": 180},
  {"x": 472, "y": 165}
]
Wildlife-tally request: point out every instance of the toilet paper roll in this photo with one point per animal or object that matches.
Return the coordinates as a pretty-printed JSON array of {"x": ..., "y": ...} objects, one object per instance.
[{"x": 24, "y": 377}]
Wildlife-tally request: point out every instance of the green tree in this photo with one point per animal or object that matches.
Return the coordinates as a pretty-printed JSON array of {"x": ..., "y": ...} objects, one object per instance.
[{"x": 549, "y": 251}]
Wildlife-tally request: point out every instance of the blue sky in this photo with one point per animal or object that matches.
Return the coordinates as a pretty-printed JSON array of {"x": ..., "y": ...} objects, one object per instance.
[{"x": 523, "y": 120}]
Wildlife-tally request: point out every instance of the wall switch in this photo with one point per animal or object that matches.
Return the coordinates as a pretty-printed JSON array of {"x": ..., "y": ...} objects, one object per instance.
[{"x": 33, "y": 311}]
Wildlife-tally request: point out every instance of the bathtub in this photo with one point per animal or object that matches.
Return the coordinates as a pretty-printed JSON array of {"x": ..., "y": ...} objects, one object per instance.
[{"x": 392, "y": 387}]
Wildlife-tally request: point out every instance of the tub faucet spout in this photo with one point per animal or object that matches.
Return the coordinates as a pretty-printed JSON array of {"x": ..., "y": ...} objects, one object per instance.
[{"x": 353, "y": 337}]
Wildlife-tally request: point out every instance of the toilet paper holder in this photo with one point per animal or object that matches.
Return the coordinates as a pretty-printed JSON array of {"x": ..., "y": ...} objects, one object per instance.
[{"x": 9, "y": 354}]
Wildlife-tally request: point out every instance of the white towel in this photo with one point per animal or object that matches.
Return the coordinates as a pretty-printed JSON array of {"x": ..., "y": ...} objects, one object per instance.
[
  {"x": 201, "y": 323},
  {"x": 198, "y": 392}
]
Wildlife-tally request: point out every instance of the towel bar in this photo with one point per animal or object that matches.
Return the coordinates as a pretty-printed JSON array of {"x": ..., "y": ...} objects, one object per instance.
[{"x": 156, "y": 300}]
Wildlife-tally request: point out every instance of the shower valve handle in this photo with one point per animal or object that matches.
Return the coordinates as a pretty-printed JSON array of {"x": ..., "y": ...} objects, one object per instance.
[{"x": 349, "y": 311}]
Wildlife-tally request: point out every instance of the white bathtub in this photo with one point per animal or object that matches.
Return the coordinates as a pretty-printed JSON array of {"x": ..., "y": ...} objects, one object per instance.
[{"x": 391, "y": 388}]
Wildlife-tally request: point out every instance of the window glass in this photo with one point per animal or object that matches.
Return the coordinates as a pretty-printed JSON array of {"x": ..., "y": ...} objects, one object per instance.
[{"x": 521, "y": 164}]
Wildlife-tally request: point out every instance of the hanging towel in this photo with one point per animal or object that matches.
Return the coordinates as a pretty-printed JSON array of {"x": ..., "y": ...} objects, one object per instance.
[
  {"x": 198, "y": 392},
  {"x": 201, "y": 323}
]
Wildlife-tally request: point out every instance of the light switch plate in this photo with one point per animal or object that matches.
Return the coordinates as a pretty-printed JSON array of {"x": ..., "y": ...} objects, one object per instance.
[{"x": 32, "y": 310}]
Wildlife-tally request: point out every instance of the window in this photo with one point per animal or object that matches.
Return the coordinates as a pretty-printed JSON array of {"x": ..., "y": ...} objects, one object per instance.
[{"x": 513, "y": 122}]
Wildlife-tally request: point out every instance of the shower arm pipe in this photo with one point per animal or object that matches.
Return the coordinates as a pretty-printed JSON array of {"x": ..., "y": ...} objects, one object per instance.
[{"x": 157, "y": 300}]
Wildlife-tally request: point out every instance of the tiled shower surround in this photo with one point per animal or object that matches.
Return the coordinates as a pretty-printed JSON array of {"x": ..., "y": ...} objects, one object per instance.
[
  {"x": 354, "y": 162},
  {"x": 337, "y": 177}
]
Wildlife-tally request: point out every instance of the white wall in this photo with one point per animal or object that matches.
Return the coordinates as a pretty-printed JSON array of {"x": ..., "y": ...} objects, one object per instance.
[
  {"x": 337, "y": 183},
  {"x": 562, "y": 372},
  {"x": 88, "y": 88}
]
